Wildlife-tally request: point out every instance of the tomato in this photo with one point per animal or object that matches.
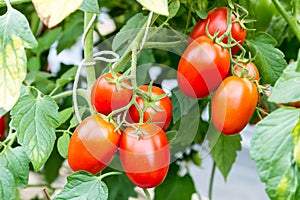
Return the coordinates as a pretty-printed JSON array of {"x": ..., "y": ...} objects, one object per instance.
[
  {"x": 106, "y": 97},
  {"x": 2, "y": 127},
  {"x": 202, "y": 67},
  {"x": 162, "y": 116},
  {"x": 252, "y": 70},
  {"x": 233, "y": 104},
  {"x": 92, "y": 145},
  {"x": 145, "y": 155},
  {"x": 217, "y": 20}
]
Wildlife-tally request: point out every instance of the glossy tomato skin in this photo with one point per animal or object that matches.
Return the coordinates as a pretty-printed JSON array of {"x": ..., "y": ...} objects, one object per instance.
[
  {"x": 202, "y": 67},
  {"x": 253, "y": 72},
  {"x": 217, "y": 20},
  {"x": 233, "y": 104},
  {"x": 92, "y": 145},
  {"x": 145, "y": 157},
  {"x": 162, "y": 117},
  {"x": 105, "y": 97},
  {"x": 2, "y": 127}
]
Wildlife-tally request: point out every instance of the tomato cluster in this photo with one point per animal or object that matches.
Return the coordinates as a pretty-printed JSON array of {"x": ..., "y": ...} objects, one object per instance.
[
  {"x": 207, "y": 65},
  {"x": 142, "y": 146}
]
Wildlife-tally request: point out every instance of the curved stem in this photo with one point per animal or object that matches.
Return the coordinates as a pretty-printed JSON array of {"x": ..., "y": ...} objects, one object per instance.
[
  {"x": 81, "y": 92},
  {"x": 211, "y": 182},
  {"x": 109, "y": 174},
  {"x": 189, "y": 17},
  {"x": 292, "y": 22}
]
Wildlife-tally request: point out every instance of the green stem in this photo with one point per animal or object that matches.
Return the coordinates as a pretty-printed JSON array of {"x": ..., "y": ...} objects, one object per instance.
[
  {"x": 109, "y": 174},
  {"x": 11, "y": 138},
  {"x": 211, "y": 182},
  {"x": 189, "y": 17},
  {"x": 88, "y": 51},
  {"x": 160, "y": 45},
  {"x": 298, "y": 59},
  {"x": 137, "y": 40},
  {"x": 292, "y": 21},
  {"x": 81, "y": 92},
  {"x": 147, "y": 194}
]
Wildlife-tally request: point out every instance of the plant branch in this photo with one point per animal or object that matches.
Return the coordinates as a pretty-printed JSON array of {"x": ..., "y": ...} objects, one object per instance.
[
  {"x": 81, "y": 92},
  {"x": 292, "y": 21},
  {"x": 211, "y": 182}
]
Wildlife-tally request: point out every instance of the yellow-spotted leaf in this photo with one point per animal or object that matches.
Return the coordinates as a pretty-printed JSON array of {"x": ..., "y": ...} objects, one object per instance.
[
  {"x": 15, "y": 35},
  {"x": 157, "y": 6},
  {"x": 52, "y": 12}
]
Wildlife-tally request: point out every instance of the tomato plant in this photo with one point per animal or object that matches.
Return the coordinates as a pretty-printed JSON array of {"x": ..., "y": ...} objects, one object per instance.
[
  {"x": 202, "y": 67},
  {"x": 233, "y": 104},
  {"x": 145, "y": 155},
  {"x": 93, "y": 145},
  {"x": 217, "y": 22},
  {"x": 108, "y": 94},
  {"x": 156, "y": 108}
]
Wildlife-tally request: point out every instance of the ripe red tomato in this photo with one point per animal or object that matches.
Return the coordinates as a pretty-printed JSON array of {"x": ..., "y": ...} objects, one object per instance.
[
  {"x": 217, "y": 20},
  {"x": 106, "y": 97},
  {"x": 162, "y": 116},
  {"x": 233, "y": 104},
  {"x": 2, "y": 127},
  {"x": 92, "y": 145},
  {"x": 202, "y": 67},
  {"x": 145, "y": 155},
  {"x": 252, "y": 71}
]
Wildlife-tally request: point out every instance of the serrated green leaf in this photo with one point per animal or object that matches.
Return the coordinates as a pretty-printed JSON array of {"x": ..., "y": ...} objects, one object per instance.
[
  {"x": 91, "y": 6},
  {"x": 83, "y": 185},
  {"x": 120, "y": 187},
  {"x": 35, "y": 120},
  {"x": 268, "y": 59},
  {"x": 157, "y": 6},
  {"x": 72, "y": 30},
  {"x": 286, "y": 88},
  {"x": 296, "y": 142},
  {"x": 272, "y": 149},
  {"x": 63, "y": 144},
  {"x": 67, "y": 77},
  {"x": 127, "y": 33},
  {"x": 15, "y": 35},
  {"x": 173, "y": 8},
  {"x": 224, "y": 152},
  {"x": 17, "y": 162},
  {"x": 7, "y": 184},
  {"x": 175, "y": 187},
  {"x": 64, "y": 115}
]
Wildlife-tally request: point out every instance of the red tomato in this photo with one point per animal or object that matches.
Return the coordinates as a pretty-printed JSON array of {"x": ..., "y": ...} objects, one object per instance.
[
  {"x": 162, "y": 116},
  {"x": 233, "y": 104},
  {"x": 252, "y": 71},
  {"x": 202, "y": 67},
  {"x": 106, "y": 97},
  {"x": 217, "y": 20},
  {"x": 2, "y": 127},
  {"x": 93, "y": 145},
  {"x": 145, "y": 155}
]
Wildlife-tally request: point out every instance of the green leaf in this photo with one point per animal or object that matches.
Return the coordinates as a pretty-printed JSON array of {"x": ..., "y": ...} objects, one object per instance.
[
  {"x": 268, "y": 59},
  {"x": 17, "y": 162},
  {"x": 173, "y": 8},
  {"x": 157, "y": 6},
  {"x": 175, "y": 187},
  {"x": 72, "y": 30},
  {"x": 83, "y": 185},
  {"x": 272, "y": 149},
  {"x": 15, "y": 35},
  {"x": 224, "y": 152},
  {"x": 120, "y": 187},
  {"x": 63, "y": 144},
  {"x": 286, "y": 88},
  {"x": 13, "y": 2},
  {"x": 7, "y": 184},
  {"x": 35, "y": 120},
  {"x": 67, "y": 77},
  {"x": 128, "y": 33},
  {"x": 91, "y": 6},
  {"x": 64, "y": 115},
  {"x": 46, "y": 40},
  {"x": 172, "y": 134}
]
